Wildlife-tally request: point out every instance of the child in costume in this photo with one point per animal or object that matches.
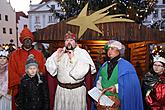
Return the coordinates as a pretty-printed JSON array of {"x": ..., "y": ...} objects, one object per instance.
[
  {"x": 5, "y": 98},
  {"x": 33, "y": 93}
]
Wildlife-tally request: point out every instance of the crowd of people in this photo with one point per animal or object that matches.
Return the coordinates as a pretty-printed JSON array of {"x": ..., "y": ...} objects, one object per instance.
[{"x": 25, "y": 73}]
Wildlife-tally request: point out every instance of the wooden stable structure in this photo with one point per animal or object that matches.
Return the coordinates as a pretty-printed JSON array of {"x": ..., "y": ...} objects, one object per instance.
[{"x": 136, "y": 38}]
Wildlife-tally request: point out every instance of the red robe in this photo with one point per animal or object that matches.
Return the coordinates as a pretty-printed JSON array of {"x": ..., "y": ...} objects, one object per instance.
[
  {"x": 16, "y": 67},
  {"x": 156, "y": 99}
]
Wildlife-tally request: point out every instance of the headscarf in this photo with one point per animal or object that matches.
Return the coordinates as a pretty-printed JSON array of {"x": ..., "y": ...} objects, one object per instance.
[{"x": 114, "y": 43}]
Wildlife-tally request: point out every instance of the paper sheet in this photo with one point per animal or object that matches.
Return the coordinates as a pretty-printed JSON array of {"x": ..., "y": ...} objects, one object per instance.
[{"x": 95, "y": 93}]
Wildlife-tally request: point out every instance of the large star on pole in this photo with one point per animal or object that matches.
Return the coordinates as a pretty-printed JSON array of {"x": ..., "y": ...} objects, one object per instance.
[{"x": 85, "y": 22}]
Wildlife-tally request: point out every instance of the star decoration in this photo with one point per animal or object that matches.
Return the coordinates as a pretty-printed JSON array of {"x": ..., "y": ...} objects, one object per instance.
[{"x": 85, "y": 22}]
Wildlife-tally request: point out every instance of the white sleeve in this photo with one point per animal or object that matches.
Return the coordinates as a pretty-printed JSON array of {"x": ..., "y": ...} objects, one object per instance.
[
  {"x": 79, "y": 70},
  {"x": 4, "y": 87},
  {"x": 52, "y": 64},
  {"x": 98, "y": 84},
  {"x": 117, "y": 88}
]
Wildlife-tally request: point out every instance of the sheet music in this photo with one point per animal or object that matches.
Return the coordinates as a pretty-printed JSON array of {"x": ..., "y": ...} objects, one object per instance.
[{"x": 95, "y": 93}]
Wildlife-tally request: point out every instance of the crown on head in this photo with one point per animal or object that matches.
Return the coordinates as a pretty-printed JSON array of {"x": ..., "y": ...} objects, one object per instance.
[
  {"x": 70, "y": 35},
  {"x": 158, "y": 58},
  {"x": 4, "y": 53}
]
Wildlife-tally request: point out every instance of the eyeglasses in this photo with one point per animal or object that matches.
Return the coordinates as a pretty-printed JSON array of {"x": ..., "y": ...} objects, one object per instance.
[{"x": 158, "y": 65}]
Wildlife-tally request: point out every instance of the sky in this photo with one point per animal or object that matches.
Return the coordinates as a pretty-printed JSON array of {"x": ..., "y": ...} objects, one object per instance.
[{"x": 22, "y": 5}]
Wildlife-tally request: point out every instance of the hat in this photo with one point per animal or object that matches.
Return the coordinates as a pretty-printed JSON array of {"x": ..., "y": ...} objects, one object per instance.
[
  {"x": 113, "y": 43},
  {"x": 158, "y": 58},
  {"x": 70, "y": 35},
  {"x": 4, "y": 53},
  {"x": 26, "y": 33},
  {"x": 31, "y": 61}
]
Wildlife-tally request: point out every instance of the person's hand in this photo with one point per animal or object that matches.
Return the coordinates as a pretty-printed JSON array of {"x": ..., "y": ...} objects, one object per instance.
[
  {"x": 148, "y": 93},
  {"x": 111, "y": 89},
  {"x": 60, "y": 52},
  {"x": 9, "y": 92},
  {"x": 70, "y": 53}
]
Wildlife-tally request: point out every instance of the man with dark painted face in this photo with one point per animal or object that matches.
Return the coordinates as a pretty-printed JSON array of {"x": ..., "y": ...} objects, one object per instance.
[
  {"x": 70, "y": 64},
  {"x": 17, "y": 61}
]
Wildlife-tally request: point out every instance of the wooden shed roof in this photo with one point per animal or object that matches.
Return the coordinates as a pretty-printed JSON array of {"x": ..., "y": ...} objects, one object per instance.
[{"x": 118, "y": 30}]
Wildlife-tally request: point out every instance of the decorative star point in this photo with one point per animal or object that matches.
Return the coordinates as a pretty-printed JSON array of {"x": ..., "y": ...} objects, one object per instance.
[{"x": 89, "y": 22}]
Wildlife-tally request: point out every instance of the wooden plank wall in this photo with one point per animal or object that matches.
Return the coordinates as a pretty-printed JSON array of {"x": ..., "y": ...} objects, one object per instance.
[
  {"x": 139, "y": 57},
  {"x": 122, "y": 31},
  {"x": 95, "y": 48},
  {"x": 53, "y": 46}
]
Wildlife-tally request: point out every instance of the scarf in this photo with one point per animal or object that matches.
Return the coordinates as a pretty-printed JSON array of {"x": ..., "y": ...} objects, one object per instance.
[{"x": 111, "y": 65}]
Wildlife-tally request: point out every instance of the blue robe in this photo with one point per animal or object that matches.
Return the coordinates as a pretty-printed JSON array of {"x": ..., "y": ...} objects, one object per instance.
[{"x": 129, "y": 87}]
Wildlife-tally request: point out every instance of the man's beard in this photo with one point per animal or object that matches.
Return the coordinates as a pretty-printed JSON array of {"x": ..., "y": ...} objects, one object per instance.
[{"x": 69, "y": 47}]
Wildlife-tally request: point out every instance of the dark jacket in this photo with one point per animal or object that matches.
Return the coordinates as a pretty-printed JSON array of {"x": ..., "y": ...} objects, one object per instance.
[{"x": 33, "y": 93}]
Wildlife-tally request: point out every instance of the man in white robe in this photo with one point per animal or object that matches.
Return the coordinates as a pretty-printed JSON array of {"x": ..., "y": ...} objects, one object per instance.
[{"x": 70, "y": 64}]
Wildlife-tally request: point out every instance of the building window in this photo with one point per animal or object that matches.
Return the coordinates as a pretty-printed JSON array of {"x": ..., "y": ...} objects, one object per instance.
[
  {"x": 10, "y": 31},
  {"x": 4, "y": 30},
  {"x": 53, "y": 7},
  {"x": 58, "y": 5},
  {"x": 43, "y": 20},
  {"x": 155, "y": 14},
  {"x": 0, "y": 16},
  {"x": 37, "y": 27},
  {"x": 37, "y": 20},
  {"x": 163, "y": 1},
  {"x": 6, "y": 17},
  {"x": 50, "y": 19},
  {"x": 163, "y": 13}
]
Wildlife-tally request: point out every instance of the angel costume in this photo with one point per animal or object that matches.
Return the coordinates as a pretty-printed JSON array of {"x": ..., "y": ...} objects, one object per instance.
[{"x": 5, "y": 99}]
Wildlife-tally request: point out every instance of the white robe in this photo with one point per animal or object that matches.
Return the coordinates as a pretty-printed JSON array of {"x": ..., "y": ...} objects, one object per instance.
[
  {"x": 70, "y": 71},
  {"x": 5, "y": 100}
]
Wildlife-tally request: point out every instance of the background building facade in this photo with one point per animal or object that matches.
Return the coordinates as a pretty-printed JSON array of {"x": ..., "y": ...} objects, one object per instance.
[
  {"x": 44, "y": 14},
  {"x": 21, "y": 20},
  {"x": 7, "y": 23}
]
